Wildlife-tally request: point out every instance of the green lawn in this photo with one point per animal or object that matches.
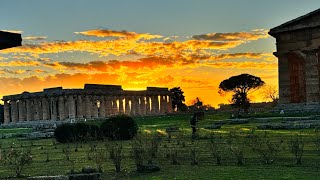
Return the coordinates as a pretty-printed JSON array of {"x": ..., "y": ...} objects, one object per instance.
[{"x": 283, "y": 167}]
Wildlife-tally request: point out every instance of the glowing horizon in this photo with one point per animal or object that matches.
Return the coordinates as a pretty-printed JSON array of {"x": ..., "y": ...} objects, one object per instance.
[{"x": 158, "y": 44}]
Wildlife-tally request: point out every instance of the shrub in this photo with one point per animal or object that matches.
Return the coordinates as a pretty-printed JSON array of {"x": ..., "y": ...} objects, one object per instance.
[
  {"x": 296, "y": 146},
  {"x": 116, "y": 155},
  {"x": 194, "y": 155},
  {"x": 139, "y": 151},
  {"x": 18, "y": 160},
  {"x": 76, "y": 132},
  {"x": 235, "y": 143},
  {"x": 98, "y": 157},
  {"x": 64, "y": 133},
  {"x": 120, "y": 127},
  {"x": 263, "y": 146},
  {"x": 216, "y": 150}
]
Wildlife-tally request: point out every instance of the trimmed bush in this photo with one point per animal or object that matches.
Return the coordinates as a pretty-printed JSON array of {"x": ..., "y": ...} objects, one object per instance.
[
  {"x": 64, "y": 133},
  {"x": 76, "y": 132},
  {"x": 120, "y": 127}
]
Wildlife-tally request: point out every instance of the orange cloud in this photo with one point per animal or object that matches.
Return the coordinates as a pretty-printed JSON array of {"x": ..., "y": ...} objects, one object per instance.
[
  {"x": 40, "y": 71},
  {"x": 235, "y": 36},
  {"x": 34, "y": 38},
  {"x": 7, "y": 71},
  {"x": 122, "y": 47},
  {"x": 118, "y": 34},
  {"x": 19, "y": 63},
  {"x": 247, "y": 65},
  {"x": 13, "y": 31},
  {"x": 152, "y": 63}
]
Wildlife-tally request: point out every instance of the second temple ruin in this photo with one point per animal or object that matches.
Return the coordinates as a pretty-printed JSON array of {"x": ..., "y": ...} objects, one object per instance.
[
  {"x": 92, "y": 102},
  {"x": 298, "y": 49}
]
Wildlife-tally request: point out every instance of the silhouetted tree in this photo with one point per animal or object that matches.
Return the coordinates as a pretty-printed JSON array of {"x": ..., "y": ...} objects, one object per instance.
[
  {"x": 270, "y": 93},
  {"x": 178, "y": 99},
  {"x": 240, "y": 85},
  {"x": 197, "y": 105}
]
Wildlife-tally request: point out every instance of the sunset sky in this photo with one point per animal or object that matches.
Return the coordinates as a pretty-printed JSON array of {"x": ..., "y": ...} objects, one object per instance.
[{"x": 194, "y": 44}]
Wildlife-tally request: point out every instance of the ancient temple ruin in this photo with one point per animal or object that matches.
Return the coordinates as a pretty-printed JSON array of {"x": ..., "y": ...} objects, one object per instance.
[
  {"x": 92, "y": 102},
  {"x": 298, "y": 43},
  {"x": 9, "y": 40}
]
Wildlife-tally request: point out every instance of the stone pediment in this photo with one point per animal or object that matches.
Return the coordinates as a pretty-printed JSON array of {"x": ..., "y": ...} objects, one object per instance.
[
  {"x": 9, "y": 40},
  {"x": 309, "y": 20}
]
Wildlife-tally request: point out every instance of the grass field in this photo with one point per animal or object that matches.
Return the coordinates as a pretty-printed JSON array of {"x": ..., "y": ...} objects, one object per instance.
[{"x": 49, "y": 158}]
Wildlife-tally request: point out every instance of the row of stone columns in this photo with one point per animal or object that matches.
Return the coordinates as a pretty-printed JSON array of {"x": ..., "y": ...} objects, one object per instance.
[
  {"x": 83, "y": 106},
  {"x": 309, "y": 77}
]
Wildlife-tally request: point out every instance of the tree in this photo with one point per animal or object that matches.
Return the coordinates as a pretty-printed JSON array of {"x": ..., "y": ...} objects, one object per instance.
[
  {"x": 197, "y": 105},
  {"x": 240, "y": 86},
  {"x": 178, "y": 99},
  {"x": 270, "y": 92}
]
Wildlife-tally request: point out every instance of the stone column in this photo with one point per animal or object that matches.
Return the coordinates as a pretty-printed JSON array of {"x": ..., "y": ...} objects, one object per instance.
[
  {"x": 6, "y": 111},
  {"x": 22, "y": 110},
  {"x": 79, "y": 107},
  {"x": 87, "y": 107},
  {"x": 108, "y": 105},
  {"x": 127, "y": 104},
  {"x": 14, "y": 111},
  {"x": 53, "y": 109},
  {"x": 29, "y": 110},
  {"x": 134, "y": 105},
  {"x": 102, "y": 109},
  {"x": 157, "y": 104},
  {"x": 153, "y": 104},
  {"x": 148, "y": 105},
  {"x": 312, "y": 77},
  {"x": 37, "y": 109},
  {"x": 121, "y": 109},
  {"x": 72, "y": 107},
  {"x": 61, "y": 108},
  {"x": 169, "y": 101},
  {"x": 163, "y": 104},
  {"x": 142, "y": 105},
  {"x": 45, "y": 109},
  {"x": 139, "y": 104},
  {"x": 95, "y": 113},
  {"x": 114, "y": 106},
  {"x": 284, "y": 78}
]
